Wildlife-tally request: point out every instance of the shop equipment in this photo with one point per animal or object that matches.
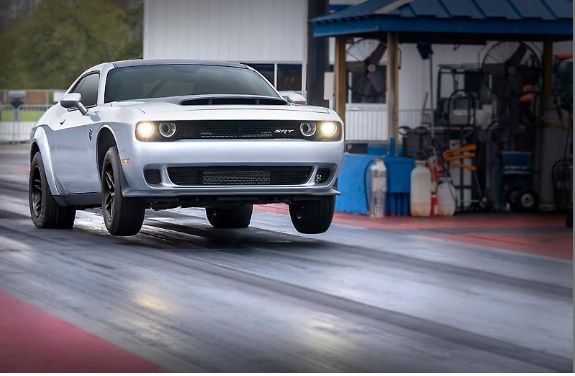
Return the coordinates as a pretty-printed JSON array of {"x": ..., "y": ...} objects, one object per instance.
[
  {"x": 378, "y": 190},
  {"x": 420, "y": 200}
]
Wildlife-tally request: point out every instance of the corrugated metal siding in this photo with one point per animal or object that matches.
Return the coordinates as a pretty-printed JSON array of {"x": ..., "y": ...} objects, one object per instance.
[{"x": 237, "y": 30}]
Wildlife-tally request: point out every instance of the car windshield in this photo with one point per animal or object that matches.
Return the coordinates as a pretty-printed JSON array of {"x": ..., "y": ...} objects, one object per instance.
[{"x": 157, "y": 81}]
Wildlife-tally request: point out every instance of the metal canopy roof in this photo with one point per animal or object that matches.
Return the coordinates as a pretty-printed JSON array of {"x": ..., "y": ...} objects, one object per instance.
[{"x": 461, "y": 19}]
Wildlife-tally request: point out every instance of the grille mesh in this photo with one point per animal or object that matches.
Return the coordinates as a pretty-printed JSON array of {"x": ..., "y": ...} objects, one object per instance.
[
  {"x": 240, "y": 175},
  {"x": 238, "y": 129},
  {"x": 153, "y": 176}
]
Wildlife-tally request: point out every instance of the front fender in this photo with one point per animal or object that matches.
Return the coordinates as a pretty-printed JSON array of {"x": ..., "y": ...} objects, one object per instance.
[{"x": 42, "y": 140}]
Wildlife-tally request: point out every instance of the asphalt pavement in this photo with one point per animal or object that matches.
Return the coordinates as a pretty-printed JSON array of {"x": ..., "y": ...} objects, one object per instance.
[{"x": 187, "y": 297}]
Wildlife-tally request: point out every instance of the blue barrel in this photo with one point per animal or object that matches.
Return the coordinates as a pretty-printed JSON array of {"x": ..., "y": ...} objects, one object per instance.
[{"x": 353, "y": 183}]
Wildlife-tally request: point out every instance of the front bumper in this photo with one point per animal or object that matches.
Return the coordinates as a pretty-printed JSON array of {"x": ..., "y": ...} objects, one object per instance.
[{"x": 161, "y": 155}]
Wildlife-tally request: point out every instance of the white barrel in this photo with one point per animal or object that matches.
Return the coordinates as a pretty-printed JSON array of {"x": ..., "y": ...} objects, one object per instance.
[
  {"x": 378, "y": 183},
  {"x": 420, "y": 199},
  {"x": 446, "y": 203}
]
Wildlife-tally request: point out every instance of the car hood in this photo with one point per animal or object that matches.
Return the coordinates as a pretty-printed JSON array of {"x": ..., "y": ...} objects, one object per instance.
[{"x": 172, "y": 105}]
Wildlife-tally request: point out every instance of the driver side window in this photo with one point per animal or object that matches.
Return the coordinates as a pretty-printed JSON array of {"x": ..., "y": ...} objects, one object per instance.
[{"x": 87, "y": 87}]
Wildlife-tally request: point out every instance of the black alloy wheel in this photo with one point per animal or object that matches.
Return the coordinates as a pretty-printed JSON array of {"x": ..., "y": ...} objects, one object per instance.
[
  {"x": 109, "y": 190},
  {"x": 44, "y": 210},
  {"x": 123, "y": 216},
  {"x": 36, "y": 191}
]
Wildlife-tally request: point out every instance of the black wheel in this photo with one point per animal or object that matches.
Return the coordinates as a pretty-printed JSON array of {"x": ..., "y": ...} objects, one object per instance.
[
  {"x": 312, "y": 217},
  {"x": 528, "y": 200},
  {"x": 123, "y": 216},
  {"x": 44, "y": 210},
  {"x": 234, "y": 217}
]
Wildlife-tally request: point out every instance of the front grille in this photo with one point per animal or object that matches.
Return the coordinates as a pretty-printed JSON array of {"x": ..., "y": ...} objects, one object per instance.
[
  {"x": 153, "y": 176},
  {"x": 240, "y": 175},
  {"x": 238, "y": 129}
]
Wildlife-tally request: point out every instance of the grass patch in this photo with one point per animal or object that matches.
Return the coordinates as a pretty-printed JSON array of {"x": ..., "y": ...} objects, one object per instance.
[{"x": 25, "y": 115}]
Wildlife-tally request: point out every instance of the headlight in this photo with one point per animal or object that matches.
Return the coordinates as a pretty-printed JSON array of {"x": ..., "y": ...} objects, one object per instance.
[
  {"x": 328, "y": 129},
  {"x": 307, "y": 129},
  {"x": 145, "y": 130},
  {"x": 167, "y": 129}
]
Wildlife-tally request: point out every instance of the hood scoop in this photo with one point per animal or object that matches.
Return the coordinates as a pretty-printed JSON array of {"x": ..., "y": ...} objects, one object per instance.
[{"x": 211, "y": 101}]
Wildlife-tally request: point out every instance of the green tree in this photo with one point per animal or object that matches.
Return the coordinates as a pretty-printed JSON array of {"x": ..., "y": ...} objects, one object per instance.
[{"x": 60, "y": 40}]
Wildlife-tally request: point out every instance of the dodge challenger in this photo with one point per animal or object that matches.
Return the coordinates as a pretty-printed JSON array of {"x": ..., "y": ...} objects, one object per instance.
[{"x": 158, "y": 134}]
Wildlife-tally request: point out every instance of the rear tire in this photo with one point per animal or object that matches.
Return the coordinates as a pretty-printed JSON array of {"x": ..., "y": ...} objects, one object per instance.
[
  {"x": 234, "y": 217},
  {"x": 123, "y": 216},
  {"x": 44, "y": 210},
  {"x": 312, "y": 217}
]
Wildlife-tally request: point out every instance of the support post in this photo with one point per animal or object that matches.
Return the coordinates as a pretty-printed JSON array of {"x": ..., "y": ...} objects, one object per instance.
[
  {"x": 317, "y": 62},
  {"x": 340, "y": 76},
  {"x": 539, "y": 183},
  {"x": 547, "y": 89},
  {"x": 392, "y": 69}
]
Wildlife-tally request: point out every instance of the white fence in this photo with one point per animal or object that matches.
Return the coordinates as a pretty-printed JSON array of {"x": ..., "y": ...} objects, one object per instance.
[
  {"x": 364, "y": 122},
  {"x": 15, "y": 126},
  {"x": 15, "y": 132},
  {"x": 368, "y": 122}
]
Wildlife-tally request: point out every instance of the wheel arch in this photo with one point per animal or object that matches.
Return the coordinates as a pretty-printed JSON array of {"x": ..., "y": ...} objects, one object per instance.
[
  {"x": 105, "y": 140},
  {"x": 39, "y": 143}
]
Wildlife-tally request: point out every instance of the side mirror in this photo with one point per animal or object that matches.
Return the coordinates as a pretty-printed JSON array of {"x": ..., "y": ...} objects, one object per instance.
[
  {"x": 73, "y": 100},
  {"x": 295, "y": 98}
]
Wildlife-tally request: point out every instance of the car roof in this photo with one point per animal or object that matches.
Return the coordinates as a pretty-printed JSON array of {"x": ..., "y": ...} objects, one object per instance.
[{"x": 139, "y": 62}]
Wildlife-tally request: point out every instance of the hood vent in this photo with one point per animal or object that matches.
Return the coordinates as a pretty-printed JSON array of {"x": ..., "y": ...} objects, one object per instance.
[{"x": 233, "y": 101}]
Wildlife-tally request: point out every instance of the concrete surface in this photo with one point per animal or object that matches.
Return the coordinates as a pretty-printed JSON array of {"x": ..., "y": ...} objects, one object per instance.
[{"x": 187, "y": 297}]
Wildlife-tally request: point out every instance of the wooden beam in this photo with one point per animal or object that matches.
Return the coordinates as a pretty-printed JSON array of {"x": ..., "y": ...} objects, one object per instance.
[
  {"x": 340, "y": 76},
  {"x": 392, "y": 69}
]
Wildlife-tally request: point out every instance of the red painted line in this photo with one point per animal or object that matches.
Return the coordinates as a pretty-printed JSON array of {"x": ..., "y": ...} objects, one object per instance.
[
  {"x": 458, "y": 221},
  {"x": 34, "y": 341},
  {"x": 556, "y": 245},
  {"x": 540, "y": 244}
]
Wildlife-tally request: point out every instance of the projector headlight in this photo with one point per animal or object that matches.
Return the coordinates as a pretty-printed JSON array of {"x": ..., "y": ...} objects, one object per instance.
[
  {"x": 167, "y": 130},
  {"x": 145, "y": 130},
  {"x": 328, "y": 129}
]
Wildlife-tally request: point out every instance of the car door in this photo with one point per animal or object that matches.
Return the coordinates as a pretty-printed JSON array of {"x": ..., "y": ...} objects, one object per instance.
[{"x": 74, "y": 140}]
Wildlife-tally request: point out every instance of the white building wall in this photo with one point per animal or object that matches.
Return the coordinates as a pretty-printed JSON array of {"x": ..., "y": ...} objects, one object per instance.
[
  {"x": 274, "y": 31},
  {"x": 235, "y": 30}
]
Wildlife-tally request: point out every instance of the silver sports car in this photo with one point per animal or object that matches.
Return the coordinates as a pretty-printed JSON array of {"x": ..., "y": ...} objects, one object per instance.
[{"x": 159, "y": 134}]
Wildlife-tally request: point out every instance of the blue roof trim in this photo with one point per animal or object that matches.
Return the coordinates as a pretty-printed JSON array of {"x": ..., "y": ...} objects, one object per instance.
[
  {"x": 449, "y": 26},
  {"x": 527, "y": 17},
  {"x": 338, "y": 7}
]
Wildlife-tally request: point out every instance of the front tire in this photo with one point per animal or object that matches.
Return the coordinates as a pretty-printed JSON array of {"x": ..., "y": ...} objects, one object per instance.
[
  {"x": 312, "y": 217},
  {"x": 234, "y": 217},
  {"x": 123, "y": 216},
  {"x": 44, "y": 210}
]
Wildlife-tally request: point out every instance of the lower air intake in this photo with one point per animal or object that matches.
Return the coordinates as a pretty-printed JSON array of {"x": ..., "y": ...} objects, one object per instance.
[
  {"x": 153, "y": 176},
  {"x": 240, "y": 175}
]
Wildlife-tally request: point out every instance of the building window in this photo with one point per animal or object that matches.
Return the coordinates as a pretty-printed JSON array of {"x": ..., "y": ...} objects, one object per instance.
[
  {"x": 267, "y": 70},
  {"x": 289, "y": 77},
  {"x": 364, "y": 88},
  {"x": 285, "y": 77},
  {"x": 367, "y": 86}
]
